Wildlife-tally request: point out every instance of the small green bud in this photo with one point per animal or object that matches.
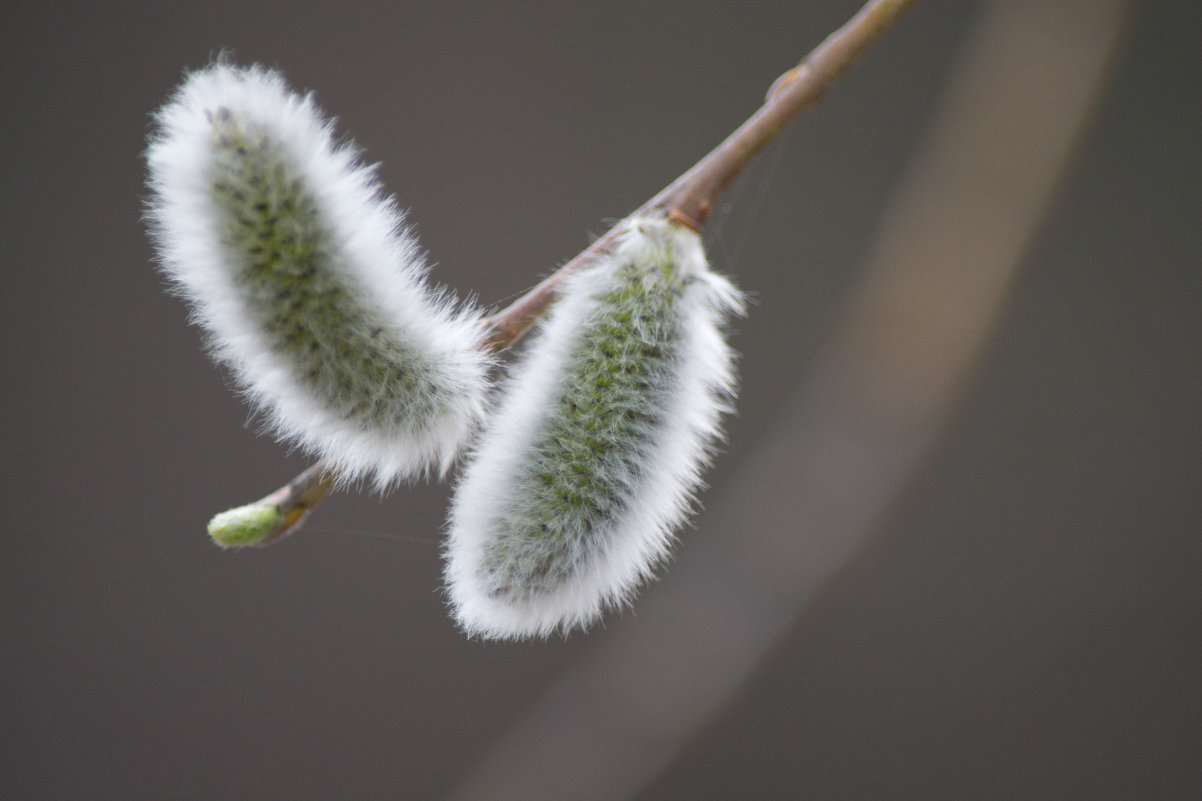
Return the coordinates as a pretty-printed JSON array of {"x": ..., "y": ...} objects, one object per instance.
[{"x": 251, "y": 525}]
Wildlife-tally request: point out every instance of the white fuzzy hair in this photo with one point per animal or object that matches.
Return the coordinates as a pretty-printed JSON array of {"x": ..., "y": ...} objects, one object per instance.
[
  {"x": 639, "y": 533},
  {"x": 372, "y": 259}
]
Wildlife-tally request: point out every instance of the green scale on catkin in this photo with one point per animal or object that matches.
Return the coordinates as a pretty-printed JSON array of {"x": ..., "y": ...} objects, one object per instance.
[
  {"x": 337, "y": 345},
  {"x": 592, "y": 446}
]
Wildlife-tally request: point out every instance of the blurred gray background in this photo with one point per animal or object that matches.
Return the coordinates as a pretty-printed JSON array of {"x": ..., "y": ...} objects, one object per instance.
[{"x": 1022, "y": 623}]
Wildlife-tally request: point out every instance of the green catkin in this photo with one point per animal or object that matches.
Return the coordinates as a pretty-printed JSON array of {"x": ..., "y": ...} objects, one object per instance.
[
  {"x": 593, "y": 445},
  {"x": 336, "y": 343},
  {"x": 592, "y": 458},
  {"x": 309, "y": 285}
]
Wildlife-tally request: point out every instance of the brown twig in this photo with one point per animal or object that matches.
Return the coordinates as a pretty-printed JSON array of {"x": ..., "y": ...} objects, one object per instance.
[
  {"x": 687, "y": 201},
  {"x": 297, "y": 499}
]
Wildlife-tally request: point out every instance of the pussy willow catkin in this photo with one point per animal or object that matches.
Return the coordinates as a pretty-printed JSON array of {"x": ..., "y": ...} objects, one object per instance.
[
  {"x": 305, "y": 280},
  {"x": 590, "y": 462}
]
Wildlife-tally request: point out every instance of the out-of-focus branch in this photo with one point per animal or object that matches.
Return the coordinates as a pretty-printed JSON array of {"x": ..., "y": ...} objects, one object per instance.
[
  {"x": 953, "y": 239},
  {"x": 689, "y": 199}
]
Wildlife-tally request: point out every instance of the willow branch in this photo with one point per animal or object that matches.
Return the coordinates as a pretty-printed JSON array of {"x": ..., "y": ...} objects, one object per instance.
[{"x": 689, "y": 199}]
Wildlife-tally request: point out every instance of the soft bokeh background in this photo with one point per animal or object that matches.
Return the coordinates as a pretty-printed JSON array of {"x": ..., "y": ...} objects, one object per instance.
[{"x": 1024, "y": 622}]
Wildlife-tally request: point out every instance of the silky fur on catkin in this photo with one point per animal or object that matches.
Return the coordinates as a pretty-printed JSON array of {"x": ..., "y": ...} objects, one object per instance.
[
  {"x": 591, "y": 461},
  {"x": 305, "y": 280}
]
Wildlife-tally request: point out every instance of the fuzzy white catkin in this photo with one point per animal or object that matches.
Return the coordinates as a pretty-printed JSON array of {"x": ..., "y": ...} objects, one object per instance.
[
  {"x": 593, "y": 457},
  {"x": 306, "y": 281}
]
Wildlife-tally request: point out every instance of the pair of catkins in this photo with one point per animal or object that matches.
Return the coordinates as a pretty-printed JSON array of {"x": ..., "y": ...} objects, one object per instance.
[{"x": 581, "y": 466}]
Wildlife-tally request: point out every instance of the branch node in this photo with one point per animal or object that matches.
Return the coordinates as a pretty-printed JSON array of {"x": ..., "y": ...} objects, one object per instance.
[{"x": 679, "y": 217}]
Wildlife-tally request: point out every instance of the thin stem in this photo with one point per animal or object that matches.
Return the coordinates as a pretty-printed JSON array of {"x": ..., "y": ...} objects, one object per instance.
[
  {"x": 298, "y": 498},
  {"x": 687, "y": 201},
  {"x": 690, "y": 198}
]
